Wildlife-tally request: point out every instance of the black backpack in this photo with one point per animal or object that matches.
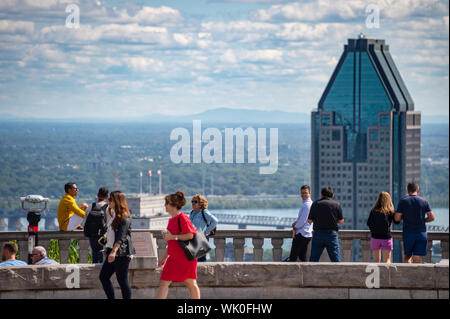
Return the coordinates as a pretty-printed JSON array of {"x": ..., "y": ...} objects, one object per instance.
[{"x": 95, "y": 225}]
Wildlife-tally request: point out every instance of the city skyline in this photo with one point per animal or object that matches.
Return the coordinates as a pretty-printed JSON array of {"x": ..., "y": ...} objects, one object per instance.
[{"x": 130, "y": 58}]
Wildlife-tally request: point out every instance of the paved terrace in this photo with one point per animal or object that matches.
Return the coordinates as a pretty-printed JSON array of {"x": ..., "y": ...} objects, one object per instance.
[{"x": 257, "y": 279}]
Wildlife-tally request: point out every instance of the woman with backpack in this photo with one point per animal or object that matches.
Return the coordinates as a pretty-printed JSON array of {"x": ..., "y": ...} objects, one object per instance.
[
  {"x": 119, "y": 248},
  {"x": 379, "y": 222},
  {"x": 202, "y": 218}
]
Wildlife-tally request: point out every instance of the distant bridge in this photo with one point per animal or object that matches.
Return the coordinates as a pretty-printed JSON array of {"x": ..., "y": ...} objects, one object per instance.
[{"x": 280, "y": 222}]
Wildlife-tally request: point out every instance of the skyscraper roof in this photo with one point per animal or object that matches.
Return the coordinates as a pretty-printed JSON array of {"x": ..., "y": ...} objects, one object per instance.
[{"x": 388, "y": 74}]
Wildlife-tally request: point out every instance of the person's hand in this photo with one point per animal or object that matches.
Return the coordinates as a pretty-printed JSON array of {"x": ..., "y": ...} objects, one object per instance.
[
  {"x": 84, "y": 206},
  {"x": 208, "y": 234},
  {"x": 111, "y": 257},
  {"x": 168, "y": 236},
  {"x": 162, "y": 262}
]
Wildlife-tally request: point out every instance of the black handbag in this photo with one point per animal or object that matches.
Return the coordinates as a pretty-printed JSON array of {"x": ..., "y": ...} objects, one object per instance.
[{"x": 196, "y": 247}]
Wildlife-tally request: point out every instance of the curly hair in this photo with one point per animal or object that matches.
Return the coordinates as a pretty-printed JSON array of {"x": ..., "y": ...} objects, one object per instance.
[{"x": 202, "y": 200}]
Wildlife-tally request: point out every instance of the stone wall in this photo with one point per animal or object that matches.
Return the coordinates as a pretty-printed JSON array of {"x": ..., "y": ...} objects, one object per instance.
[{"x": 239, "y": 280}]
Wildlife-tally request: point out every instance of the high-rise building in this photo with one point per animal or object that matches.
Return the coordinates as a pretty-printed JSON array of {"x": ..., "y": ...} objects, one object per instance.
[{"x": 365, "y": 132}]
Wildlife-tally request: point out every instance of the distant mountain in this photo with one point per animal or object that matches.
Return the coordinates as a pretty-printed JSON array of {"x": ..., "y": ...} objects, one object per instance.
[
  {"x": 220, "y": 115},
  {"x": 225, "y": 115}
]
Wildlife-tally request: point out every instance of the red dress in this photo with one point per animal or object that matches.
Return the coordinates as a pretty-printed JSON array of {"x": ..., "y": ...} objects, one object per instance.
[{"x": 177, "y": 267}]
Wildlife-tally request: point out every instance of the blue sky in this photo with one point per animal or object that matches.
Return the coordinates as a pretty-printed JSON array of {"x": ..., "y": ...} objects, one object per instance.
[{"x": 136, "y": 58}]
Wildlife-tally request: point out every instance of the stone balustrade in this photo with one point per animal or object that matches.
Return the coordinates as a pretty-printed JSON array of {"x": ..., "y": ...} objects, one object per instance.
[
  {"x": 238, "y": 237},
  {"x": 237, "y": 280}
]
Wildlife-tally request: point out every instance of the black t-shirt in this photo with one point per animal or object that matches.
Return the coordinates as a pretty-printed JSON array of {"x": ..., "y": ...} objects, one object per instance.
[
  {"x": 380, "y": 225},
  {"x": 325, "y": 213}
]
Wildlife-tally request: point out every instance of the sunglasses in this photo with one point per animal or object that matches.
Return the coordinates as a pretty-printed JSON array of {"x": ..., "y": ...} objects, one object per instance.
[{"x": 194, "y": 202}]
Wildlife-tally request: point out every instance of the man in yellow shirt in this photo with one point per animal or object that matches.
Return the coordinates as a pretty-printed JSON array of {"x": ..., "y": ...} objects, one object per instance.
[{"x": 69, "y": 214}]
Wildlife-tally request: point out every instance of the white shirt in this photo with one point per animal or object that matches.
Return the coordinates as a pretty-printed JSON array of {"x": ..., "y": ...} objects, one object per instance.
[
  {"x": 110, "y": 236},
  {"x": 301, "y": 225}
]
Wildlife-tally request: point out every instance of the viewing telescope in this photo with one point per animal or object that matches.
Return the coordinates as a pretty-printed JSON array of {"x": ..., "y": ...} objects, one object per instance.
[{"x": 33, "y": 217}]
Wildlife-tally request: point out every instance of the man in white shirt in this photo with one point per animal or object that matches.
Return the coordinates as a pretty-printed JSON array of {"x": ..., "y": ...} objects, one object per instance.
[{"x": 303, "y": 229}]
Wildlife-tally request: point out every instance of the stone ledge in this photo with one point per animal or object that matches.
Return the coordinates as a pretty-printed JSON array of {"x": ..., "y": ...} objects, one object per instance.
[{"x": 347, "y": 279}]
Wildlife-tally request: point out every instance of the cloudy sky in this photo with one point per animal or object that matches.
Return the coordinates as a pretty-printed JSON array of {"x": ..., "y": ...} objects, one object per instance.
[{"x": 135, "y": 58}]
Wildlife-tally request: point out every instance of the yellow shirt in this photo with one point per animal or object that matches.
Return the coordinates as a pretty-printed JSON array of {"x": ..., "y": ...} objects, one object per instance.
[{"x": 66, "y": 208}]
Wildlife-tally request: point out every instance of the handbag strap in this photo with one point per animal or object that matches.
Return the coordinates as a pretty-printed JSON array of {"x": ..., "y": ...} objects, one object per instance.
[{"x": 179, "y": 225}]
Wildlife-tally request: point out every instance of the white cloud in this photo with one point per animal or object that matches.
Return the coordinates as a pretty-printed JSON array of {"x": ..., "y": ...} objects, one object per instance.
[
  {"x": 10, "y": 26},
  {"x": 118, "y": 33},
  {"x": 142, "y": 64},
  {"x": 331, "y": 10}
]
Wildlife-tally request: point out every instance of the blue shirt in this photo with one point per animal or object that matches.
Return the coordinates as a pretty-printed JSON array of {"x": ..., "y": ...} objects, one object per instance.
[
  {"x": 13, "y": 263},
  {"x": 199, "y": 222},
  {"x": 413, "y": 209},
  {"x": 47, "y": 261},
  {"x": 301, "y": 224}
]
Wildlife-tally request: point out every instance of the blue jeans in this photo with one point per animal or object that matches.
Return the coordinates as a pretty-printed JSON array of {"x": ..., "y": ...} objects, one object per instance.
[
  {"x": 325, "y": 239},
  {"x": 120, "y": 267}
]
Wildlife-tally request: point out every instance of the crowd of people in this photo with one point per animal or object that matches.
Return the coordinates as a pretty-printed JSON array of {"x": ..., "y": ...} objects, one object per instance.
[
  {"x": 318, "y": 221},
  {"x": 107, "y": 224}
]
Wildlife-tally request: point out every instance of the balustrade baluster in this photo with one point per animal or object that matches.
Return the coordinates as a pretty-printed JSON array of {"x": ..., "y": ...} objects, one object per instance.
[
  {"x": 257, "y": 248},
  {"x": 64, "y": 250},
  {"x": 347, "y": 246},
  {"x": 23, "y": 249},
  {"x": 220, "y": 249},
  {"x": 238, "y": 244},
  {"x": 277, "y": 250},
  {"x": 365, "y": 246},
  {"x": 84, "y": 250}
]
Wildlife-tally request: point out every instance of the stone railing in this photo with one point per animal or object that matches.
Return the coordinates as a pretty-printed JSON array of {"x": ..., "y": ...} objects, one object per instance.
[
  {"x": 237, "y": 280},
  {"x": 277, "y": 237},
  {"x": 238, "y": 237}
]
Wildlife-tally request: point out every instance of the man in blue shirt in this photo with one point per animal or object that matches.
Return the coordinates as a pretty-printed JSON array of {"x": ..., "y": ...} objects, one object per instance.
[
  {"x": 303, "y": 229},
  {"x": 9, "y": 252},
  {"x": 415, "y": 212},
  {"x": 201, "y": 218}
]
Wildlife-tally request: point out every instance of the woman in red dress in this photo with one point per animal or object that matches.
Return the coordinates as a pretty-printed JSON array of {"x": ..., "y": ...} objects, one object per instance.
[{"x": 177, "y": 267}]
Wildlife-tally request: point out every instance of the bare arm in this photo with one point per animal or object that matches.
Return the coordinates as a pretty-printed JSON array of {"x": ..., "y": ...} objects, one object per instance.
[
  {"x": 430, "y": 216},
  {"x": 340, "y": 221},
  {"x": 187, "y": 236}
]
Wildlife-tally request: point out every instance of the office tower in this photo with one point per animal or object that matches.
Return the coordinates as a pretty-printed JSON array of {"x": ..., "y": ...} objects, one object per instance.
[{"x": 365, "y": 132}]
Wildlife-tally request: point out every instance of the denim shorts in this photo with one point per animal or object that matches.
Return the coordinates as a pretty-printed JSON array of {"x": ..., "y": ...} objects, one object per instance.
[{"x": 415, "y": 244}]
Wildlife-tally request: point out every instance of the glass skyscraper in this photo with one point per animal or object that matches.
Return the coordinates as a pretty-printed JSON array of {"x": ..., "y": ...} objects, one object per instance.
[{"x": 365, "y": 132}]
